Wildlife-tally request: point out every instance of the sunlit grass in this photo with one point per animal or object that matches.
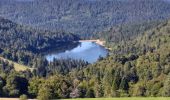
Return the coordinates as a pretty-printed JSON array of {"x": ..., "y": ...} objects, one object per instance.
[{"x": 18, "y": 67}]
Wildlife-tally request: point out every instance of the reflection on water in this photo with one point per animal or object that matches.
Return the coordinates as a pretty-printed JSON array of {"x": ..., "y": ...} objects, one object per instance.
[{"x": 87, "y": 51}]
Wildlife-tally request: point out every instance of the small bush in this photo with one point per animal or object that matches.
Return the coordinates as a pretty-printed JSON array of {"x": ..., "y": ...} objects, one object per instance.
[{"x": 23, "y": 97}]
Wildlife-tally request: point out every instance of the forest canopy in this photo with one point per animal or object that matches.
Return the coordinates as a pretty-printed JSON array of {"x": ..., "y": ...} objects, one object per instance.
[
  {"x": 83, "y": 17},
  {"x": 136, "y": 31},
  {"x": 137, "y": 67}
]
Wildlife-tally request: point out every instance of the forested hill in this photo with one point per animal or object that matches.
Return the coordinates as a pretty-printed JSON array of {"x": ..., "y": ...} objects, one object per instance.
[
  {"x": 21, "y": 44},
  {"x": 125, "y": 32},
  {"x": 141, "y": 69},
  {"x": 83, "y": 16},
  {"x": 18, "y": 37}
]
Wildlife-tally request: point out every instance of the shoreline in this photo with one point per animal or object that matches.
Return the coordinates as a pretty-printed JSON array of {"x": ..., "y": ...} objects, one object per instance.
[{"x": 97, "y": 41}]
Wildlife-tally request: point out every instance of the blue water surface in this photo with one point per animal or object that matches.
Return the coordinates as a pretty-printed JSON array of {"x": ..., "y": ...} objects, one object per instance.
[{"x": 87, "y": 51}]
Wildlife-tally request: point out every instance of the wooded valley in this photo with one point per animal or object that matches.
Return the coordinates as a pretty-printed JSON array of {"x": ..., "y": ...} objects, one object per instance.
[{"x": 138, "y": 64}]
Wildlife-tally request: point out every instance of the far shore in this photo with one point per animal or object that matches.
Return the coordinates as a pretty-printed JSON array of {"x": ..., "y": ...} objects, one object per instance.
[{"x": 99, "y": 42}]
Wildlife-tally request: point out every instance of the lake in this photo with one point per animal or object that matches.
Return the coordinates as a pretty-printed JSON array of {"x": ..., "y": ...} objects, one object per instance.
[{"x": 87, "y": 51}]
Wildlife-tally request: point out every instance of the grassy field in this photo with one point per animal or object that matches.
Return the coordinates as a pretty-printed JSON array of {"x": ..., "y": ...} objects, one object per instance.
[
  {"x": 130, "y": 98},
  {"x": 18, "y": 67}
]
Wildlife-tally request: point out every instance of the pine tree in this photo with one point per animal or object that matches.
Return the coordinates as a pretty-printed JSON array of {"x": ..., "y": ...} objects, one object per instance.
[{"x": 124, "y": 84}]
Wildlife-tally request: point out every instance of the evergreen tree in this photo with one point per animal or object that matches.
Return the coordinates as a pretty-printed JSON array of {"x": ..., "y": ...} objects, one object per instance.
[
  {"x": 166, "y": 88},
  {"x": 44, "y": 93}
]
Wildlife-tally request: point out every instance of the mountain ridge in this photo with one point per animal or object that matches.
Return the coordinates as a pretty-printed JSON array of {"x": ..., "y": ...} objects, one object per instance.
[{"x": 82, "y": 16}]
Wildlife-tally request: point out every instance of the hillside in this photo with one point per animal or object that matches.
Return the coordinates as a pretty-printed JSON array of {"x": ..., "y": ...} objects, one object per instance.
[
  {"x": 25, "y": 38},
  {"x": 125, "y": 32},
  {"x": 17, "y": 67},
  {"x": 136, "y": 31},
  {"x": 83, "y": 16},
  {"x": 141, "y": 69},
  {"x": 24, "y": 44}
]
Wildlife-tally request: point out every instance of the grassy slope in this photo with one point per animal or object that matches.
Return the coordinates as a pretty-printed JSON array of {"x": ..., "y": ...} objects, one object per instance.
[{"x": 18, "y": 67}]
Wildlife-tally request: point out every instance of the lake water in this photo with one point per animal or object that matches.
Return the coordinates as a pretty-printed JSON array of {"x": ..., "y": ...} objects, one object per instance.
[{"x": 87, "y": 51}]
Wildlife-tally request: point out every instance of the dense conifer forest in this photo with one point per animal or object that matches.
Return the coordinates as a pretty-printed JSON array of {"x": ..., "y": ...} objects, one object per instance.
[
  {"x": 83, "y": 16},
  {"x": 138, "y": 63},
  {"x": 24, "y": 44},
  {"x": 139, "y": 67}
]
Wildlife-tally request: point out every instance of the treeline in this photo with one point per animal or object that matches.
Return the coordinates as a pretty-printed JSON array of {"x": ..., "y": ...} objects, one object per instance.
[
  {"x": 34, "y": 83},
  {"x": 43, "y": 68},
  {"x": 83, "y": 16},
  {"x": 5, "y": 66}
]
